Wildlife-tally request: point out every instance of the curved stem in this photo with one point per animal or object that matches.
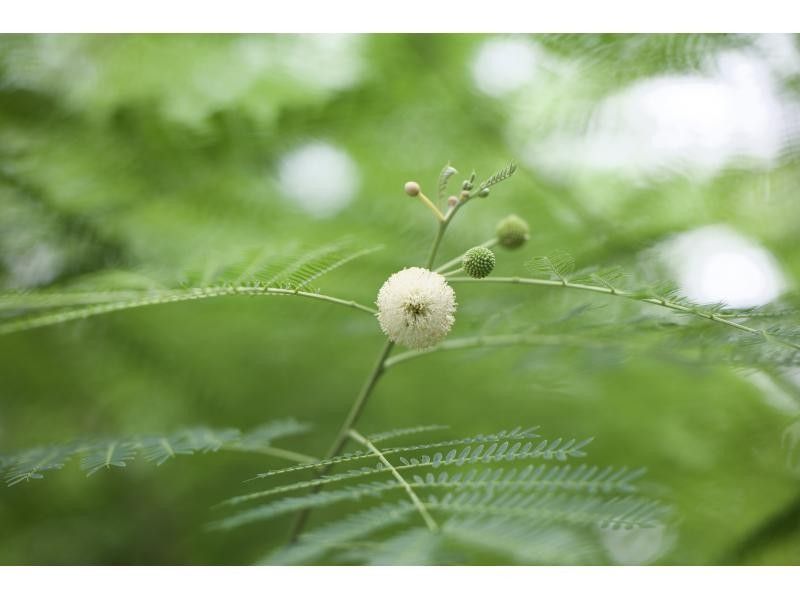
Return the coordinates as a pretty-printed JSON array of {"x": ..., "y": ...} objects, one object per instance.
[
  {"x": 161, "y": 297},
  {"x": 629, "y": 295}
]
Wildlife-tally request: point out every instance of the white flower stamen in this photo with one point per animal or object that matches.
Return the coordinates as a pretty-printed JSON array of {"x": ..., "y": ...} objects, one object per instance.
[{"x": 416, "y": 307}]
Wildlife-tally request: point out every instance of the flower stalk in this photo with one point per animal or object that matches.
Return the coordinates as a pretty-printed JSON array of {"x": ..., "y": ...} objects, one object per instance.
[{"x": 412, "y": 189}]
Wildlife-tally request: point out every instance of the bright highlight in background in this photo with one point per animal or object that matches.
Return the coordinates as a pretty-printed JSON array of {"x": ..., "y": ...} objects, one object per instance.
[
  {"x": 321, "y": 178},
  {"x": 504, "y": 65},
  {"x": 716, "y": 264}
]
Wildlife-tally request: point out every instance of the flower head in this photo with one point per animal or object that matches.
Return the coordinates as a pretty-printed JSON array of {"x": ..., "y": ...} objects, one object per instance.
[{"x": 416, "y": 307}]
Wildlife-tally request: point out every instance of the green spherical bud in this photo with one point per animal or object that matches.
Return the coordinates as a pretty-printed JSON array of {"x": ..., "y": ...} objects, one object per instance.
[
  {"x": 483, "y": 193},
  {"x": 512, "y": 232},
  {"x": 478, "y": 262}
]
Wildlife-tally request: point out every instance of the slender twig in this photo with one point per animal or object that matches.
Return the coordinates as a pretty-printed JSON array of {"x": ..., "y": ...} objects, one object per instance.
[
  {"x": 428, "y": 203},
  {"x": 499, "y": 340},
  {"x": 366, "y": 389},
  {"x": 161, "y": 297},
  {"x": 276, "y": 452},
  {"x": 429, "y": 521},
  {"x": 629, "y": 295},
  {"x": 438, "y": 239},
  {"x": 457, "y": 260},
  {"x": 341, "y": 438}
]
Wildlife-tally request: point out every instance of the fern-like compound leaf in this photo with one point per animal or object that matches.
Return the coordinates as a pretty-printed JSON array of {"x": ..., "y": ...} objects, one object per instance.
[
  {"x": 33, "y": 463},
  {"x": 382, "y": 436},
  {"x": 469, "y": 489},
  {"x": 105, "y": 455},
  {"x": 557, "y": 266},
  {"x": 97, "y": 455},
  {"x": 499, "y": 176},
  {"x": 314, "y": 544},
  {"x": 515, "y": 434},
  {"x": 261, "y": 274}
]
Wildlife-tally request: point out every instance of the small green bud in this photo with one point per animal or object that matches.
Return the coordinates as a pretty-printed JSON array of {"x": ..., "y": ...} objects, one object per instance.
[
  {"x": 467, "y": 185},
  {"x": 478, "y": 262},
  {"x": 512, "y": 232},
  {"x": 483, "y": 193}
]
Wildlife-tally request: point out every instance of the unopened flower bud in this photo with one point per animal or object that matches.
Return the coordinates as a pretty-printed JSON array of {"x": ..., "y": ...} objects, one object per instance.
[
  {"x": 512, "y": 232},
  {"x": 483, "y": 193},
  {"x": 478, "y": 262},
  {"x": 452, "y": 201},
  {"x": 412, "y": 188}
]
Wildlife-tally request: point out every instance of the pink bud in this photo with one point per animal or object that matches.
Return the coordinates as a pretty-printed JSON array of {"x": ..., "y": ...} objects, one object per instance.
[{"x": 412, "y": 188}]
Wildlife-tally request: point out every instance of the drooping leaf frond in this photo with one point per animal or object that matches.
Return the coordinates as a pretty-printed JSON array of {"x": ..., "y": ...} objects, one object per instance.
[
  {"x": 292, "y": 504},
  {"x": 494, "y": 440},
  {"x": 294, "y": 272},
  {"x": 31, "y": 464},
  {"x": 615, "y": 512},
  {"x": 261, "y": 274},
  {"x": 95, "y": 455},
  {"x": 470, "y": 492},
  {"x": 316, "y": 543},
  {"x": 524, "y": 542},
  {"x": 583, "y": 478},
  {"x": 557, "y": 269},
  {"x": 114, "y": 453},
  {"x": 412, "y": 546}
]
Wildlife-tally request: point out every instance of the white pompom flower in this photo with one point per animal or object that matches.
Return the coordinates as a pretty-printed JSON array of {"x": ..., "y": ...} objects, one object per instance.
[{"x": 416, "y": 307}]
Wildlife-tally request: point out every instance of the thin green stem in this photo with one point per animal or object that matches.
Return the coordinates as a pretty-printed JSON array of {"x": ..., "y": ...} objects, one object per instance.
[
  {"x": 427, "y": 202},
  {"x": 277, "y": 452},
  {"x": 360, "y": 402},
  {"x": 629, "y": 295},
  {"x": 426, "y": 516},
  {"x": 341, "y": 438},
  {"x": 366, "y": 390},
  {"x": 499, "y": 340},
  {"x": 161, "y": 297},
  {"x": 437, "y": 240},
  {"x": 452, "y": 272}
]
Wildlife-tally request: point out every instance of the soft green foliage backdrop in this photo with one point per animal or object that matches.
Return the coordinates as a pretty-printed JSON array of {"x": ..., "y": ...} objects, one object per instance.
[{"x": 158, "y": 154}]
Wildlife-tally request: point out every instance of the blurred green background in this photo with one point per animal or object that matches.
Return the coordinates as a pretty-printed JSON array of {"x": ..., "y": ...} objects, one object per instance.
[{"x": 155, "y": 154}]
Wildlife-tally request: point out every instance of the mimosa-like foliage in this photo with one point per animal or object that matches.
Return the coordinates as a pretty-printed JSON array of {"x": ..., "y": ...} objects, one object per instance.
[{"x": 513, "y": 495}]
